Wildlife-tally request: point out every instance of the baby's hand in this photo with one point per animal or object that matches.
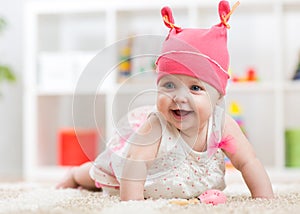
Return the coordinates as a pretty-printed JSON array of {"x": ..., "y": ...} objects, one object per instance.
[{"x": 68, "y": 181}]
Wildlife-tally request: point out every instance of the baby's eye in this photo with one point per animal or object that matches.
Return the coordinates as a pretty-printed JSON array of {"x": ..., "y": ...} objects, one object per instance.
[
  {"x": 169, "y": 85},
  {"x": 196, "y": 88}
]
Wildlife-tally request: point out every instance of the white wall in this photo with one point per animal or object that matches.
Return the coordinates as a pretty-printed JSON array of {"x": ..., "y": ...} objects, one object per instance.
[{"x": 11, "y": 99}]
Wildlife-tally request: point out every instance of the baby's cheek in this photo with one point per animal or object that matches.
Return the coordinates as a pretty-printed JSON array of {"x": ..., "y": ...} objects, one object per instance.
[
  {"x": 162, "y": 105},
  {"x": 162, "y": 101},
  {"x": 204, "y": 113}
]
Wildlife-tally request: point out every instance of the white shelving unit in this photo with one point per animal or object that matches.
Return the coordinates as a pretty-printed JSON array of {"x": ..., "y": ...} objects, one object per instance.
[{"x": 264, "y": 35}]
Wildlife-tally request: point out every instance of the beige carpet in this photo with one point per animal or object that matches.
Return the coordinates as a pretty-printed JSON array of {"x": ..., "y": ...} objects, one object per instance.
[{"x": 27, "y": 197}]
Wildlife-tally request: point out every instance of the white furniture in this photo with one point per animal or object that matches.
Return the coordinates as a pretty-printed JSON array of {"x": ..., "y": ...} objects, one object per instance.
[{"x": 61, "y": 33}]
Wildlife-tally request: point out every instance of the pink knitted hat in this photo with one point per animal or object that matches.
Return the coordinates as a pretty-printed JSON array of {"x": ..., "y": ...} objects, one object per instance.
[{"x": 200, "y": 53}]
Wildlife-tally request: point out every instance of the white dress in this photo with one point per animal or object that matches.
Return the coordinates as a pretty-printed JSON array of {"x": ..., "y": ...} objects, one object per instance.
[{"x": 177, "y": 172}]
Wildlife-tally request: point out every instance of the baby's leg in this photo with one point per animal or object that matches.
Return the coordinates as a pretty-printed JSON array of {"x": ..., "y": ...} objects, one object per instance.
[{"x": 78, "y": 177}]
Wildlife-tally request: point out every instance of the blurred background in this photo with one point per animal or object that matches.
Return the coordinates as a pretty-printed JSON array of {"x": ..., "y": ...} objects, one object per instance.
[
  {"x": 69, "y": 70},
  {"x": 11, "y": 50}
]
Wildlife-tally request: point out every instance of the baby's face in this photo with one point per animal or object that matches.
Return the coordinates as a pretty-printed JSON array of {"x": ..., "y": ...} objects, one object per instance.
[{"x": 184, "y": 101}]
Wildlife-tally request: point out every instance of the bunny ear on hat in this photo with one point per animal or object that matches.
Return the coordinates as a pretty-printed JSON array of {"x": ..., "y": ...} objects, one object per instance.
[
  {"x": 167, "y": 15},
  {"x": 225, "y": 12}
]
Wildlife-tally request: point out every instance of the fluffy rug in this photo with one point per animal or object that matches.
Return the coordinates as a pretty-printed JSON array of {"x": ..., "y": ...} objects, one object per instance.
[{"x": 23, "y": 197}]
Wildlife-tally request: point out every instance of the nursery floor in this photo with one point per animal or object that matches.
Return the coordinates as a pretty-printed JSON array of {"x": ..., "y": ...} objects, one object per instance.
[{"x": 42, "y": 197}]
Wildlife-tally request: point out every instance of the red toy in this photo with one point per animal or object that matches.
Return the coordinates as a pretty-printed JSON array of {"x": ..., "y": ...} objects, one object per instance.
[
  {"x": 250, "y": 76},
  {"x": 76, "y": 146}
]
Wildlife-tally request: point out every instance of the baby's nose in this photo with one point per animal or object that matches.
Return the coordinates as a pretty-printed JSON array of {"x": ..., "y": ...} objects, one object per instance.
[{"x": 180, "y": 96}]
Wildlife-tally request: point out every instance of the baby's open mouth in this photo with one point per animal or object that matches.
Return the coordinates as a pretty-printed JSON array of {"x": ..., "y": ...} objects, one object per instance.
[{"x": 180, "y": 113}]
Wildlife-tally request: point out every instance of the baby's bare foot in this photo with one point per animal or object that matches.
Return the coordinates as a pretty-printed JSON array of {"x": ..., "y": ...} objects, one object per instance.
[{"x": 68, "y": 181}]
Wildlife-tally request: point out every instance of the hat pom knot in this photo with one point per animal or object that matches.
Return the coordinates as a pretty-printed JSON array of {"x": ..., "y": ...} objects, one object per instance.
[
  {"x": 167, "y": 16},
  {"x": 225, "y": 12}
]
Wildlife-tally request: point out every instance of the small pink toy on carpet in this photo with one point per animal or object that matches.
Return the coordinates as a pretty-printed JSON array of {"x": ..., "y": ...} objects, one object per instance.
[{"x": 212, "y": 196}]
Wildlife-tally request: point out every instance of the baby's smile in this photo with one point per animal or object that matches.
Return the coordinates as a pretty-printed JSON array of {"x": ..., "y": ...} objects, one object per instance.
[{"x": 181, "y": 114}]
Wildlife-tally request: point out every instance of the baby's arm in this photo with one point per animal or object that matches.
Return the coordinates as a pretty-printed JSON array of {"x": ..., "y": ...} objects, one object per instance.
[
  {"x": 78, "y": 176},
  {"x": 245, "y": 160},
  {"x": 143, "y": 149}
]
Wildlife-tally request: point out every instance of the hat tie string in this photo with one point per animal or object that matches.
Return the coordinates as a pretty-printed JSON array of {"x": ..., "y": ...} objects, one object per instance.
[
  {"x": 170, "y": 24},
  {"x": 225, "y": 18}
]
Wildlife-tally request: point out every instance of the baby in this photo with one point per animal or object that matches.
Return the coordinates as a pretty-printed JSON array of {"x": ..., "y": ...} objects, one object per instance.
[{"x": 178, "y": 149}]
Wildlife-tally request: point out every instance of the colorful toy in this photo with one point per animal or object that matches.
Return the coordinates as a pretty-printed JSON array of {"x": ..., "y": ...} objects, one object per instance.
[
  {"x": 228, "y": 163},
  {"x": 212, "y": 196},
  {"x": 236, "y": 112},
  {"x": 251, "y": 76},
  {"x": 76, "y": 147},
  {"x": 125, "y": 62},
  {"x": 184, "y": 202},
  {"x": 292, "y": 147},
  {"x": 297, "y": 73}
]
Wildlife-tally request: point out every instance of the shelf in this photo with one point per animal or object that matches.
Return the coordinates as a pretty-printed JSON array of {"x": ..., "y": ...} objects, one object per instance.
[
  {"x": 64, "y": 6},
  {"x": 49, "y": 173},
  {"x": 54, "y": 92},
  {"x": 79, "y": 6},
  {"x": 250, "y": 87},
  {"x": 135, "y": 86},
  {"x": 291, "y": 5},
  {"x": 292, "y": 86}
]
